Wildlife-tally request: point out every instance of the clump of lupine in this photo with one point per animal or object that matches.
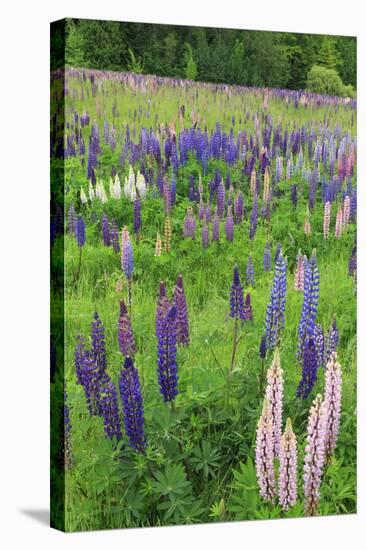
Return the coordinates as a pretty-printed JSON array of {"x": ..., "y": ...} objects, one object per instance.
[
  {"x": 275, "y": 315},
  {"x": 189, "y": 223}
]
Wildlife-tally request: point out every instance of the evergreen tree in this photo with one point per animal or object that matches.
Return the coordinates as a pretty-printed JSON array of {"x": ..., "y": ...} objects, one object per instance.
[
  {"x": 328, "y": 56},
  {"x": 191, "y": 67}
]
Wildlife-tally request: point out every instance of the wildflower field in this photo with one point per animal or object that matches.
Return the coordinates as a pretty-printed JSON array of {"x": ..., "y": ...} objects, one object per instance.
[{"x": 203, "y": 338}]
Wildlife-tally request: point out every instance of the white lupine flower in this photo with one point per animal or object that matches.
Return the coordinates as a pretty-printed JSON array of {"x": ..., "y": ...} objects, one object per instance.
[
  {"x": 91, "y": 191},
  {"x": 111, "y": 187},
  {"x": 117, "y": 187},
  {"x": 141, "y": 184},
  {"x": 83, "y": 197}
]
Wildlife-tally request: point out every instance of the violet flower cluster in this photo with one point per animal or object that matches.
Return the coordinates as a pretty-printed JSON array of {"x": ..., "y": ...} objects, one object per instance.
[
  {"x": 275, "y": 316},
  {"x": 132, "y": 404}
]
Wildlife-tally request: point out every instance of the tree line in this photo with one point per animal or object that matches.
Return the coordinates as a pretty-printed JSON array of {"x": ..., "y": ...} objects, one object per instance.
[{"x": 251, "y": 58}]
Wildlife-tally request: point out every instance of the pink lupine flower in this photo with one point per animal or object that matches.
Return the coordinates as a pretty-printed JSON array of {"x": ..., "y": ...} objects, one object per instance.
[
  {"x": 299, "y": 274},
  {"x": 339, "y": 223},
  {"x": 326, "y": 219},
  {"x": 346, "y": 210},
  {"x": 332, "y": 398},
  {"x": 264, "y": 455},
  {"x": 287, "y": 490},
  {"x": 274, "y": 396},
  {"x": 315, "y": 454}
]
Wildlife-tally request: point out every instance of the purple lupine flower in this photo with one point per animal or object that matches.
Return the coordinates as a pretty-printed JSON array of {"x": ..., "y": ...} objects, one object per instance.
[
  {"x": 352, "y": 264},
  {"x": 205, "y": 236},
  {"x": 167, "y": 199},
  {"x": 250, "y": 272},
  {"x": 332, "y": 399},
  {"x": 331, "y": 341},
  {"x": 173, "y": 190},
  {"x": 287, "y": 490},
  {"x": 278, "y": 252},
  {"x": 106, "y": 231},
  {"x": 137, "y": 215},
  {"x": 267, "y": 257},
  {"x": 109, "y": 409},
  {"x": 216, "y": 228},
  {"x": 127, "y": 254},
  {"x": 80, "y": 232},
  {"x": 189, "y": 223},
  {"x": 220, "y": 199},
  {"x": 201, "y": 210},
  {"x": 236, "y": 297},
  {"x": 229, "y": 225},
  {"x": 88, "y": 375},
  {"x": 274, "y": 397},
  {"x": 264, "y": 455},
  {"x": 167, "y": 351},
  {"x": 275, "y": 315},
  {"x": 182, "y": 325},
  {"x": 239, "y": 207},
  {"x": 162, "y": 307},
  {"x": 253, "y": 218},
  {"x": 310, "y": 303},
  {"x": 314, "y": 454},
  {"x": 115, "y": 237},
  {"x": 294, "y": 194},
  {"x": 132, "y": 404},
  {"x": 126, "y": 338},
  {"x": 248, "y": 310},
  {"x": 208, "y": 213},
  {"x": 263, "y": 347},
  {"x": 72, "y": 221},
  {"x": 309, "y": 369},
  {"x": 98, "y": 345}
]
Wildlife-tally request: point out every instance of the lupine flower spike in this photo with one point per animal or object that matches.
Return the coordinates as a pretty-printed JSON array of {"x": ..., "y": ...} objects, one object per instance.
[
  {"x": 132, "y": 404},
  {"x": 274, "y": 397},
  {"x": 326, "y": 219},
  {"x": 109, "y": 408},
  {"x": 287, "y": 490},
  {"x": 126, "y": 338},
  {"x": 299, "y": 274},
  {"x": 332, "y": 398},
  {"x": 275, "y": 316},
  {"x": 314, "y": 454},
  {"x": 167, "y": 351},
  {"x": 167, "y": 234},
  {"x": 158, "y": 245},
  {"x": 264, "y": 455}
]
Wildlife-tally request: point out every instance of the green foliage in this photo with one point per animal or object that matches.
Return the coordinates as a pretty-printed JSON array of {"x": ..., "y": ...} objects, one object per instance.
[
  {"x": 74, "y": 50},
  {"x": 191, "y": 67},
  {"x": 327, "y": 81},
  {"x": 328, "y": 56},
  {"x": 134, "y": 65},
  {"x": 252, "y": 58}
]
